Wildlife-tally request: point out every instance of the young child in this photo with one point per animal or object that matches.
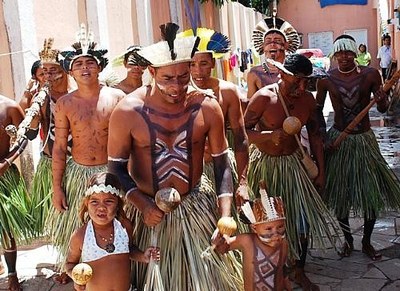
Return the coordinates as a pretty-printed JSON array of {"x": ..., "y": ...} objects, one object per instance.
[
  {"x": 264, "y": 251},
  {"x": 104, "y": 241}
]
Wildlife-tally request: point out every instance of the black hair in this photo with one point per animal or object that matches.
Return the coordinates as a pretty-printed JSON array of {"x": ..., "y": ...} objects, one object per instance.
[
  {"x": 386, "y": 36},
  {"x": 362, "y": 44},
  {"x": 298, "y": 64},
  {"x": 104, "y": 178},
  {"x": 344, "y": 36},
  {"x": 35, "y": 66}
]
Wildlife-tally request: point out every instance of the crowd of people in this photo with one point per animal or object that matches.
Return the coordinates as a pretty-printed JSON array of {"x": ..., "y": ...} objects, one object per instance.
[{"x": 107, "y": 152}]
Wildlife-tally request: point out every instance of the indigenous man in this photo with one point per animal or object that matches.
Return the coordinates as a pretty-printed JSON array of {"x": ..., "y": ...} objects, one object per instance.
[
  {"x": 165, "y": 137},
  {"x": 83, "y": 113},
  {"x": 134, "y": 72},
  {"x": 273, "y": 37},
  {"x": 55, "y": 83},
  {"x": 277, "y": 157},
  {"x": 14, "y": 220},
  {"x": 212, "y": 45},
  {"x": 360, "y": 189}
]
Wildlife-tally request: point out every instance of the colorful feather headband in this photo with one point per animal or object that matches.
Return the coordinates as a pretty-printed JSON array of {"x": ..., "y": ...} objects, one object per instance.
[
  {"x": 264, "y": 209},
  {"x": 170, "y": 50},
  {"x": 210, "y": 41}
]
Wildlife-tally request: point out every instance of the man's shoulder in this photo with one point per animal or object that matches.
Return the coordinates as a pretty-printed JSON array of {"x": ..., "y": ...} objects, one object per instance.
[{"x": 255, "y": 69}]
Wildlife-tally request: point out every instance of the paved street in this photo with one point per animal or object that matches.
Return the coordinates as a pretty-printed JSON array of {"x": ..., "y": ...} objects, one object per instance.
[{"x": 35, "y": 266}]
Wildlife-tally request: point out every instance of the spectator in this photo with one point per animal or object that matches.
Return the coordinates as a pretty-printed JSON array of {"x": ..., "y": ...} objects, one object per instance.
[
  {"x": 385, "y": 56},
  {"x": 363, "y": 56}
]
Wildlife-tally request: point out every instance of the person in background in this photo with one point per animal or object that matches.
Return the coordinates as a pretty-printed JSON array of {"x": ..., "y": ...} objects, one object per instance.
[
  {"x": 385, "y": 56},
  {"x": 273, "y": 37},
  {"x": 363, "y": 56},
  {"x": 134, "y": 72},
  {"x": 214, "y": 45}
]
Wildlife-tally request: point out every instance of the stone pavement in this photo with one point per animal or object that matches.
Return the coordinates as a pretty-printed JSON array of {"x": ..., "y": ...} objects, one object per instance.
[{"x": 35, "y": 265}]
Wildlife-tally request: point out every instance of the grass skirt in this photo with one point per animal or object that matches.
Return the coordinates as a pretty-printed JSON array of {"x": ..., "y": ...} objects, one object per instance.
[
  {"x": 184, "y": 234},
  {"x": 40, "y": 193},
  {"x": 305, "y": 211},
  {"x": 358, "y": 177},
  {"x": 15, "y": 219},
  {"x": 62, "y": 225}
]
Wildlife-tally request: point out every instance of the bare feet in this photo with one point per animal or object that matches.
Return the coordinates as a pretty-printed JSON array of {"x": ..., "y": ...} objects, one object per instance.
[
  {"x": 13, "y": 283},
  {"x": 305, "y": 283},
  {"x": 2, "y": 270},
  {"x": 62, "y": 278},
  {"x": 346, "y": 250},
  {"x": 369, "y": 250}
]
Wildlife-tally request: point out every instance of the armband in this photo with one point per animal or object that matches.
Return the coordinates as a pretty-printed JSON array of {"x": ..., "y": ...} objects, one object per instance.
[
  {"x": 225, "y": 195},
  {"x": 119, "y": 167},
  {"x": 130, "y": 191},
  {"x": 220, "y": 154},
  {"x": 8, "y": 162},
  {"x": 223, "y": 174}
]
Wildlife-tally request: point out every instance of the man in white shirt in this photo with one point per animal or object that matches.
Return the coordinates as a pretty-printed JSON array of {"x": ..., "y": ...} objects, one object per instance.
[{"x": 385, "y": 56}]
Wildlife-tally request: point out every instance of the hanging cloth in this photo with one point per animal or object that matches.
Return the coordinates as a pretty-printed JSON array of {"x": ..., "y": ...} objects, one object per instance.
[{"x": 194, "y": 17}]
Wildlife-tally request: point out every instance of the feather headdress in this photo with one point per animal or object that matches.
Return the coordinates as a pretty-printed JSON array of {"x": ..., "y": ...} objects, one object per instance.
[
  {"x": 275, "y": 24},
  {"x": 264, "y": 209},
  {"x": 170, "y": 50},
  {"x": 47, "y": 54},
  {"x": 83, "y": 47},
  {"x": 126, "y": 56},
  {"x": 210, "y": 41}
]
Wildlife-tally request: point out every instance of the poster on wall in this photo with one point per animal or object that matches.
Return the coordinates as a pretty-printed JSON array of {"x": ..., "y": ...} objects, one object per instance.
[
  {"x": 324, "y": 3},
  {"x": 322, "y": 40}
]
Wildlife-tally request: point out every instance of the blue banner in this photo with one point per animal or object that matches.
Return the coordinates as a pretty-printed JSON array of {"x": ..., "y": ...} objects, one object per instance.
[{"x": 343, "y": 2}]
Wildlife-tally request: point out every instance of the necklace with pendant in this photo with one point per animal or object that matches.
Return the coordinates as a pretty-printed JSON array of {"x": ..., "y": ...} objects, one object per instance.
[{"x": 109, "y": 247}]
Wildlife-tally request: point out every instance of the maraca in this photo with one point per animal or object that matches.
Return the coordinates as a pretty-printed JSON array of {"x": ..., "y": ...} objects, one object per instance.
[
  {"x": 291, "y": 125},
  {"x": 227, "y": 225},
  {"x": 167, "y": 199},
  {"x": 82, "y": 273}
]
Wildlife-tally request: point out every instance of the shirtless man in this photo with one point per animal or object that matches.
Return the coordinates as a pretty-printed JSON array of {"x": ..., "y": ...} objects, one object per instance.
[
  {"x": 273, "y": 37},
  {"x": 11, "y": 113},
  {"x": 359, "y": 189},
  {"x": 84, "y": 113},
  {"x": 165, "y": 137},
  {"x": 277, "y": 158},
  {"x": 56, "y": 81},
  {"x": 228, "y": 97},
  {"x": 134, "y": 72}
]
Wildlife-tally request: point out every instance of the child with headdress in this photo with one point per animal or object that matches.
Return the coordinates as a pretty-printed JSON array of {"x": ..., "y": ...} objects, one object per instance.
[
  {"x": 264, "y": 250},
  {"x": 104, "y": 241}
]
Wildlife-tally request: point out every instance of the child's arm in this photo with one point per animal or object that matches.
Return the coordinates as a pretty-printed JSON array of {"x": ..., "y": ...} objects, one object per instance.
[
  {"x": 150, "y": 253},
  {"x": 74, "y": 254},
  {"x": 135, "y": 254},
  {"x": 237, "y": 242}
]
